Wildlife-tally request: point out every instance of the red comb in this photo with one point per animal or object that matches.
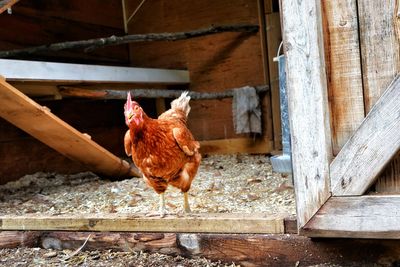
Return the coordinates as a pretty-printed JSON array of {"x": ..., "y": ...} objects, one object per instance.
[{"x": 128, "y": 101}]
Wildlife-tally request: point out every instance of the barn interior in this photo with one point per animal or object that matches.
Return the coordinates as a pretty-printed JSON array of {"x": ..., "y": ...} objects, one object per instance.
[
  {"x": 214, "y": 63},
  {"x": 79, "y": 194}
]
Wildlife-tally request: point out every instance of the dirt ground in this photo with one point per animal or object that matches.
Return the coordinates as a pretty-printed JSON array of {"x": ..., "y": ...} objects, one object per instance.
[{"x": 234, "y": 183}]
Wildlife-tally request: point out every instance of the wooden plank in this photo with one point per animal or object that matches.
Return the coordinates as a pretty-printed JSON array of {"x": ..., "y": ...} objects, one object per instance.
[
  {"x": 271, "y": 6},
  {"x": 236, "y": 145},
  {"x": 374, "y": 143},
  {"x": 263, "y": 39},
  {"x": 308, "y": 105},
  {"x": 23, "y": 70},
  {"x": 205, "y": 223},
  {"x": 380, "y": 47},
  {"x": 357, "y": 217},
  {"x": 268, "y": 6},
  {"x": 344, "y": 69},
  {"x": 241, "y": 249},
  {"x": 266, "y": 107},
  {"x": 274, "y": 38},
  {"x": 39, "y": 122},
  {"x": 6, "y": 4}
]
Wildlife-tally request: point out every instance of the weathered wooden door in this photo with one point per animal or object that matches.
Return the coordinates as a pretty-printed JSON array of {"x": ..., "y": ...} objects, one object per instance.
[{"x": 343, "y": 61}]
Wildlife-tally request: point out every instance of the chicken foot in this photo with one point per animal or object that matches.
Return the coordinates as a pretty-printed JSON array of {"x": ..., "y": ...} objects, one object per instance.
[{"x": 162, "y": 209}]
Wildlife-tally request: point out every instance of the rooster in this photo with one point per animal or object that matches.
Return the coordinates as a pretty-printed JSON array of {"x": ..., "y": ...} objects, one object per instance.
[{"x": 163, "y": 149}]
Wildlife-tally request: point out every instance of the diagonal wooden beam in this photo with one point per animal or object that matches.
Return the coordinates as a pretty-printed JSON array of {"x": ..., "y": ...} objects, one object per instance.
[
  {"x": 39, "y": 122},
  {"x": 5, "y": 4},
  {"x": 372, "y": 146},
  {"x": 308, "y": 104}
]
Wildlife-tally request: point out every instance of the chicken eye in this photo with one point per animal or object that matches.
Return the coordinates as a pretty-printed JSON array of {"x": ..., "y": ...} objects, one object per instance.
[{"x": 136, "y": 108}]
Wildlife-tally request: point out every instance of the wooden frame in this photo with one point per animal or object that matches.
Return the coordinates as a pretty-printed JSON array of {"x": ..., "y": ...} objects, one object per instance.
[{"x": 349, "y": 175}]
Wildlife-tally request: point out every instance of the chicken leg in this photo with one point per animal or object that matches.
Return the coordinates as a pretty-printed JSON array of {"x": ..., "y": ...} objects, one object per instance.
[
  {"x": 186, "y": 203},
  {"x": 162, "y": 205}
]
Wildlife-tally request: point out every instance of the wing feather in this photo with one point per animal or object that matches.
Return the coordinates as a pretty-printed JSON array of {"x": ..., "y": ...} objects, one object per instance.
[
  {"x": 128, "y": 143},
  {"x": 185, "y": 140}
]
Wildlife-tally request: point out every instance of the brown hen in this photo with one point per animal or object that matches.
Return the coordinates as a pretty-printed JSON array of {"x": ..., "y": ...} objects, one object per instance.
[{"x": 163, "y": 149}]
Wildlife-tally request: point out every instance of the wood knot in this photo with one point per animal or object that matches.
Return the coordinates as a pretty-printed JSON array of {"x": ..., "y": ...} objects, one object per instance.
[{"x": 93, "y": 222}]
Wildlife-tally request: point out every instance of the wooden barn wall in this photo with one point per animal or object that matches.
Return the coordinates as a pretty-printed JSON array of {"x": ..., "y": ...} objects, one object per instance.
[
  {"x": 216, "y": 62},
  {"x": 362, "y": 56},
  {"x": 39, "y": 22}
]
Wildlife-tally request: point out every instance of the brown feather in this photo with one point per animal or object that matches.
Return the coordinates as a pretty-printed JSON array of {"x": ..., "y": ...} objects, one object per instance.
[{"x": 159, "y": 155}]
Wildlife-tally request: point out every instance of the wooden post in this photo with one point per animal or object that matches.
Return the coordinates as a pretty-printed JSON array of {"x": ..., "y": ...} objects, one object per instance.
[
  {"x": 267, "y": 122},
  {"x": 308, "y": 104},
  {"x": 274, "y": 39}
]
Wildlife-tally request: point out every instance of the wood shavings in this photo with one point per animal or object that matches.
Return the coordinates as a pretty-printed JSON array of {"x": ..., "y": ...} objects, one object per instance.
[
  {"x": 37, "y": 257},
  {"x": 228, "y": 183}
]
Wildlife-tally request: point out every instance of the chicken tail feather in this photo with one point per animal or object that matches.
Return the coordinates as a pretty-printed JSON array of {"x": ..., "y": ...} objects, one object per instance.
[{"x": 182, "y": 103}]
